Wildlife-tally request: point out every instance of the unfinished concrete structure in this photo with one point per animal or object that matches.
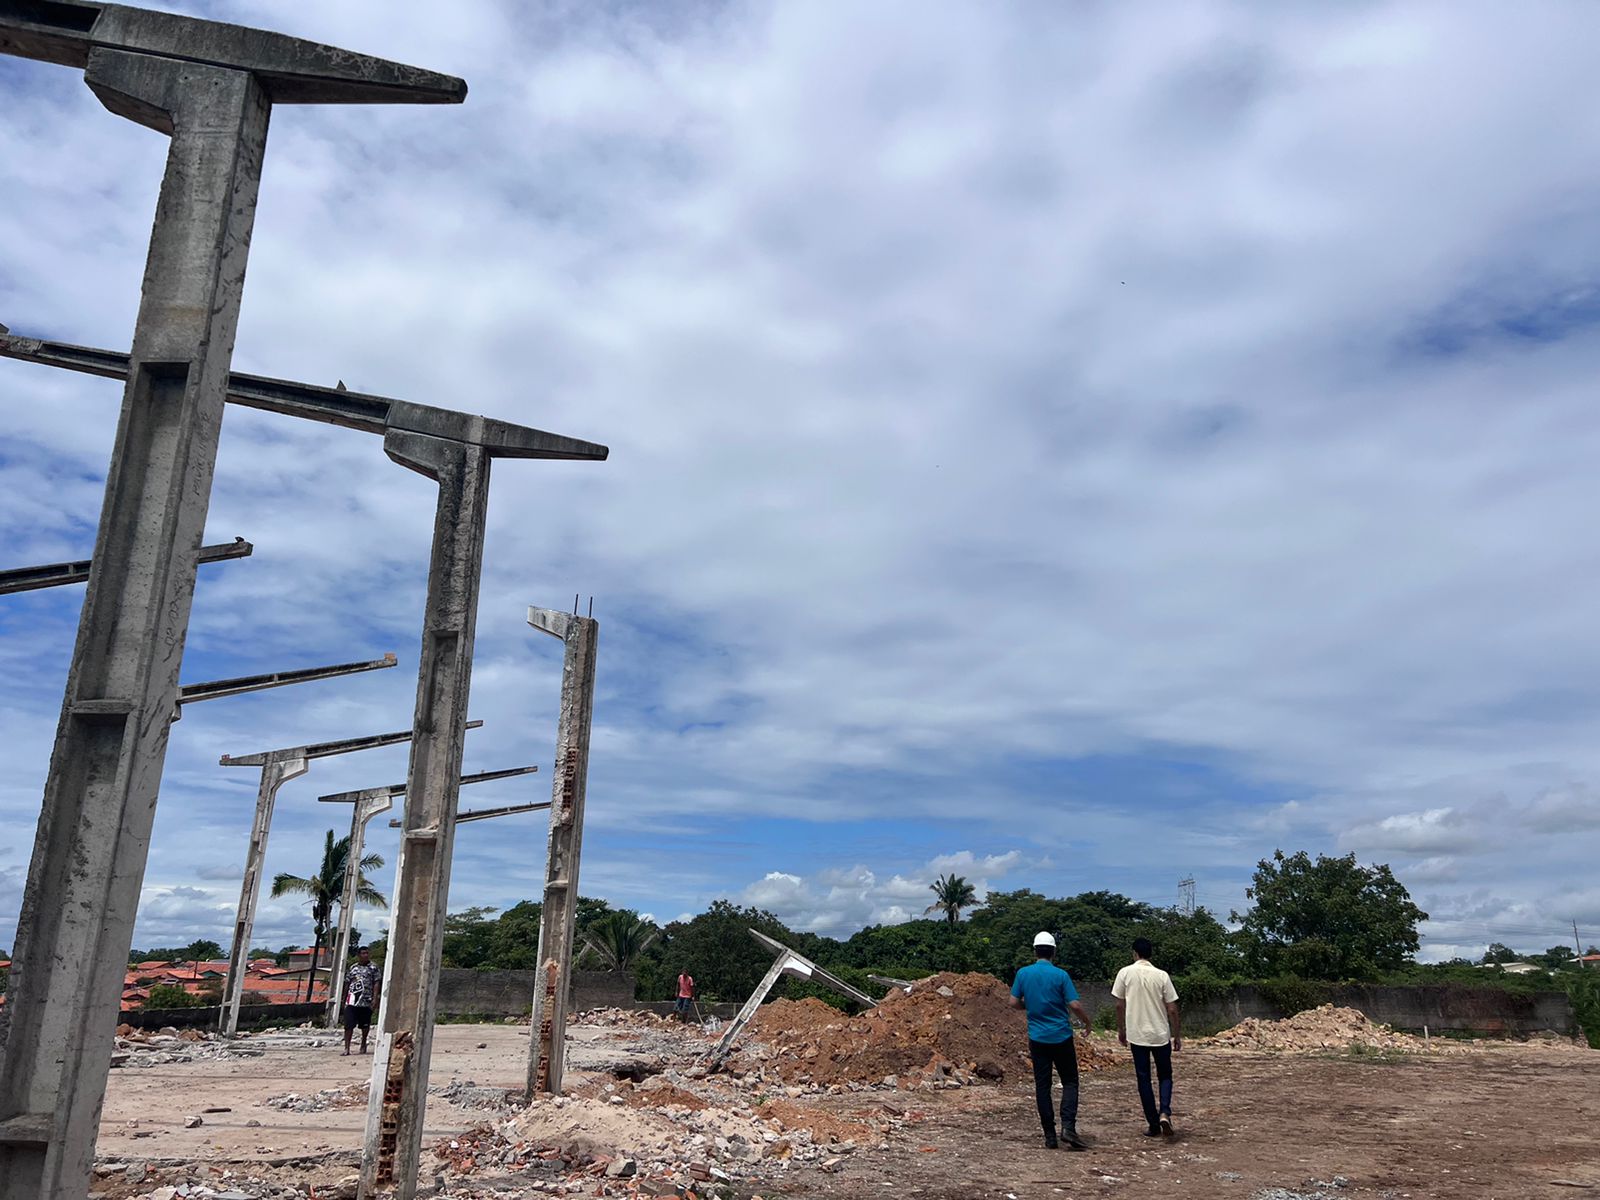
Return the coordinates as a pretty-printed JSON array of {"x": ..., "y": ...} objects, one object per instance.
[
  {"x": 29, "y": 579},
  {"x": 368, "y": 803},
  {"x": 277, "y": 768},
  {"x": 210, "y": 87},
  {"x": 559, "y": 913},
  {"x": 787, "y": 962},
  {"x": 453, "y": 449}
]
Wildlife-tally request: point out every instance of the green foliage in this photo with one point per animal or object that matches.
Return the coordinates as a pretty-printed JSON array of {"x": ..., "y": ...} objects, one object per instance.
[
  {"x": 1202, "y": 985},
  {"x": 1583, "y": 988},
  {"x": 1499, "y": 952},
  {"x": 326, "y": 890},
  {"x": 912, "y": 950},
  {"x": 476, "y": 940},
  {"x": 260, "y": 952},
  {"x": 170, "y": 995},
  {"x": 717, "y": 949},
  {"x": 202, "y": 950},
  {"x": 1290, "y": 994},
  {"x": 951, "y": 893},
  {"x": 1328, "y": 919},
  {"x": 619, "y": 938}
]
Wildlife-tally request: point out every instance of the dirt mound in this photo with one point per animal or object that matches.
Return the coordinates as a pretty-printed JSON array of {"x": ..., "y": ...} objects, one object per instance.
[
  {"x": 948, "y": 1030},
  {"x": 1324, "y": 1028}
]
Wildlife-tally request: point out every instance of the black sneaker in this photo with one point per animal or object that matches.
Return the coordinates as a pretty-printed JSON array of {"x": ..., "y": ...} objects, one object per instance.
[
  {"x": 1050, "y": 1142},
  {"x": 1070, "y": 1133},
  {"x": 1153, "y": 1131},
  {"x": 1166, "y": 1124}
]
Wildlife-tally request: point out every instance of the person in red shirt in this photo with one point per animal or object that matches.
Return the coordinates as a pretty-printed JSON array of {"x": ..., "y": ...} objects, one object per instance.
[{"x": 685, "y": 994}]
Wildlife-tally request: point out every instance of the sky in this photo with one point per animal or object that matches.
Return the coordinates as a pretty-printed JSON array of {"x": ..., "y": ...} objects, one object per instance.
[{"x": 1075, "y": 446}]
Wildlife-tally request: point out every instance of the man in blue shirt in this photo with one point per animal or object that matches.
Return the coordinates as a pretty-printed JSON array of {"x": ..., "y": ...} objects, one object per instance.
[{"x": 1046, "y": 992}]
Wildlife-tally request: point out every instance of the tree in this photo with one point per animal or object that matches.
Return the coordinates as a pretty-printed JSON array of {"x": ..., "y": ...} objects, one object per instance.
[
  {"x": 326, "y": 889},
  {"x": 170, "y": 995},
  {"x": 951, "y": 894},
  {"x": 1328, "y": 919},
  {"x": 619, "y": 938},
  {"x": 1558, "y": 957},
  {"x": 1499, "y": 952}
]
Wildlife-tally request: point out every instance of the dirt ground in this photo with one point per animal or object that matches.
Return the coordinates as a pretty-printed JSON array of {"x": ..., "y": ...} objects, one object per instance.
[
  {"x": 1496, "y": 1120},
  {"x": 1502, "y": 1122}
]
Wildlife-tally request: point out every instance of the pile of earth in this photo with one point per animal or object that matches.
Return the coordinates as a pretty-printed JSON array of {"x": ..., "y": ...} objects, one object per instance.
[
  {"x": 947, "y": 1030},
  {"x": 1324, "y": 1028}
]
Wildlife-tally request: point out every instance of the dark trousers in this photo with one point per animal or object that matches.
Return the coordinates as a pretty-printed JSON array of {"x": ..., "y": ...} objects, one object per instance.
[
  {"x": 1141, "y": 1068},
  {"x": 1062, "y": 1057}
]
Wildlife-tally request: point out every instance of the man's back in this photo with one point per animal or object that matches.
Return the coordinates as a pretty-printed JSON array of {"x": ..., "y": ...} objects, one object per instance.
[
  {"x": 1146, "y": 990},
  {"x": 1046, "y": 990}
]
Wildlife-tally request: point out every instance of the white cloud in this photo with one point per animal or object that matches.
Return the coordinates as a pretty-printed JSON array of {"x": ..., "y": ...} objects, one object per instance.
[{"x": 1041, "y": 392}]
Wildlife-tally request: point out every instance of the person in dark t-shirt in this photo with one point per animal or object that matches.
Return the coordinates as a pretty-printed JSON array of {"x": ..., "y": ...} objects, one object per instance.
[{"x": 362, "y": 983}]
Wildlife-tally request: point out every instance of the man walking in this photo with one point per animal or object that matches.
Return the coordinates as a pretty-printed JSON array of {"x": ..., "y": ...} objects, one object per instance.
[
  {"x": 685, "y": 994},
  {"x": 361, "y": 985},
  {"x": 1048, "y": 995},
  {"x": 1148, "y": 1024}
]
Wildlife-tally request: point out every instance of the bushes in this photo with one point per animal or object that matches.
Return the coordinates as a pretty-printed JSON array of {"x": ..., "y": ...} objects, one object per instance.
[
  {"x": 1290, "y": 994},
  {"x": 170, "y": 995},
  {"x": 1583, "y": 988}
]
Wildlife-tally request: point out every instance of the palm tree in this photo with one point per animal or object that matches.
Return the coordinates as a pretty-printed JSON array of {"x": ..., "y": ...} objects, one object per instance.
[
  {"x": 326, "y": 889},
  {"x": 952, "y": 893},
  {"x": 619, "y": 938}
]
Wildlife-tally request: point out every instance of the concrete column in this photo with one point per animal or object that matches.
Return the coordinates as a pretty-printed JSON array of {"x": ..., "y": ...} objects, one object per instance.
[
  {"x": 361, "y": 812},
  {"x": 558, "y": 915},
  {"x": 422, "y": 882},
  {"x": 274, "y": 775},
  {"x": 94, "y": 829}
]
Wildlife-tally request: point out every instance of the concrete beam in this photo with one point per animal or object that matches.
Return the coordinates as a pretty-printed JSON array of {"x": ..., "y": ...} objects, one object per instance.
[
  {"x": 290, "y": 70},
  {"x": 29, "y": 579},
  {"x": 219, "y": 689},
  {"x": 399, "y": 789},
  {"x": 559, "y": 912},
  {"x": 330, "y": 406},
  {"x": 277, "y": 768}
]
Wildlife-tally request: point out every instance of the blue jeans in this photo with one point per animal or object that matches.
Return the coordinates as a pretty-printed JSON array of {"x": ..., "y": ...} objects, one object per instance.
[
  {"x": 683, "y": 1006},
  {"x": 1063, "y": 1058},
  {"x": 1141, "y": 1068}
]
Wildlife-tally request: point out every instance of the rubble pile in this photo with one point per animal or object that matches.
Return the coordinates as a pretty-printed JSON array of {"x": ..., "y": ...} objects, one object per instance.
[
  {"x": 142, "y": 1048},
  {"x": 613, "y": 1017},
  {"x": 948, "y": 1031},
  {"x": 352, "y": 1095},
  {"x": 1323, "y": 1028},
  {"x": 672, "y": 1131}
]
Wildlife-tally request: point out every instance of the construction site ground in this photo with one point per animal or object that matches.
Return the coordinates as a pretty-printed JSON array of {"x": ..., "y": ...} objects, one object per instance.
[{"x": 1323, "y": 1106}]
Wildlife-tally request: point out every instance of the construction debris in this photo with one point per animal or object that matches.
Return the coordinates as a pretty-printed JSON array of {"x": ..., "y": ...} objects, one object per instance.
[
  {"x": 1323, "y": 1028},
  {"x": 947, "y": 1031}
]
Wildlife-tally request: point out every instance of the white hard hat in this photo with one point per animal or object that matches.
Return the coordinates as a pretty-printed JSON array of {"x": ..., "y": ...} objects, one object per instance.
[{"x": 1044, "y": 939}]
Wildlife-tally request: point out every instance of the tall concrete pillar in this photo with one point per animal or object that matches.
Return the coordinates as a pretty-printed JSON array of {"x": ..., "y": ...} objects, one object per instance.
[
  {"x": 404, "y": 1047},
  {"x": 94, "y": 831},
  {"x": 210, "y": 88},
  {"x": 558, "y": 915}
]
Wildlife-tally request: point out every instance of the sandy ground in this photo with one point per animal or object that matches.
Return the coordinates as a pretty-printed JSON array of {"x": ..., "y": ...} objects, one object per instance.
[{"x": 1497, "y": 1121}]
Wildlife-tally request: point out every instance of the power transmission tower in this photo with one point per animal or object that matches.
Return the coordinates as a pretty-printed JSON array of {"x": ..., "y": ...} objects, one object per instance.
[{"x": 1186, "y": 896}]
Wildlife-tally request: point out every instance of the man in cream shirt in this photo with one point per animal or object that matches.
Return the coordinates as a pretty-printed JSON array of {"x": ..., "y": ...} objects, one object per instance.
[{"x": 1147, "y": 1023}]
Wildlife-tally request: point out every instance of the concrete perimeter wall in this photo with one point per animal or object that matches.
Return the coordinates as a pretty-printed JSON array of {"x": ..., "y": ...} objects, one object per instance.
[
  {"x": 1452, "y": 1007},
  {"x": 510, "y": 993}
]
